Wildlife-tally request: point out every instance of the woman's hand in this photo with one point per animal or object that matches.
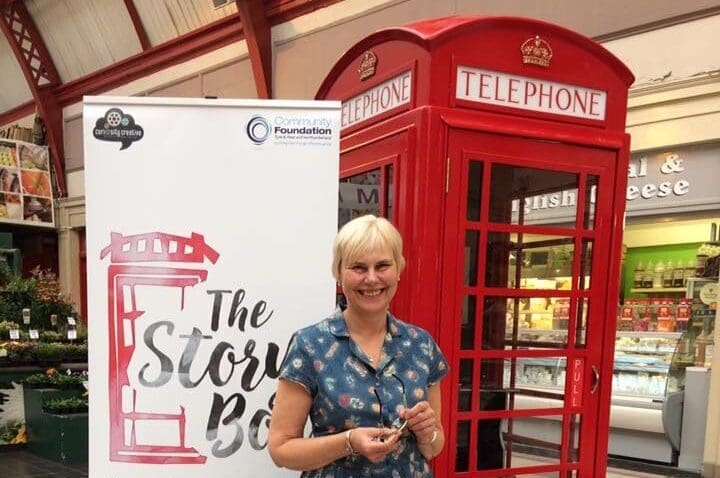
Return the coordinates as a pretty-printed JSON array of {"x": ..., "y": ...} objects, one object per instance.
[
  {"x": 374, "y": 443},
  {"x": 422, "y": 421}
]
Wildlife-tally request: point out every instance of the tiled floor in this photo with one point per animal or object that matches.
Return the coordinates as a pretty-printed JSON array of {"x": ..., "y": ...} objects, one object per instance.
[{"x": 23, "y": 464}]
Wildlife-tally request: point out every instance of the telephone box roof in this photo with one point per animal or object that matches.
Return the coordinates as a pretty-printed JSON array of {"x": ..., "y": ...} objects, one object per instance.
[{"x": 432, "y": 33}]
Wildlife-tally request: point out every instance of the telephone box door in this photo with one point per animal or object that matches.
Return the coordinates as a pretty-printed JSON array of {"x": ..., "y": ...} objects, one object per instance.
[{"x": 527, "y": 246}]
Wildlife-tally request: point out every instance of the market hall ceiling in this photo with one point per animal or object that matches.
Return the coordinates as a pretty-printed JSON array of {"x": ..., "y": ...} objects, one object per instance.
[
  {"x": 53, "y": 52},
  {"x": 85, "y": 39}
]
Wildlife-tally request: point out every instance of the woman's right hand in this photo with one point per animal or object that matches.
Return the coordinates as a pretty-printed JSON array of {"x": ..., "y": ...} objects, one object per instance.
[{"x": 374, "y": 443}]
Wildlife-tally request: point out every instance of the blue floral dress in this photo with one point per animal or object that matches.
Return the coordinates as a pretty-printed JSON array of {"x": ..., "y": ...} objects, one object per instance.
[{"x": 349, "y": 392}]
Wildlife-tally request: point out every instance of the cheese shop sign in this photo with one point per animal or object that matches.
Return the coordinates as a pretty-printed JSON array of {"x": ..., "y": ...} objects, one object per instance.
[{"x": 660, "y": 182}]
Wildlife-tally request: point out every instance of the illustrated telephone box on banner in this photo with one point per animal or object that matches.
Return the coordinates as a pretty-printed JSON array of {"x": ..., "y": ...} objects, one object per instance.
[{"x": 497, "y": 146}]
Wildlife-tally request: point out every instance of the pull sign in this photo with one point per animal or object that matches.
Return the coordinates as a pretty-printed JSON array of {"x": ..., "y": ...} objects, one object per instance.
[
  {"x": 525, "y": 93},
  {"x": 576, "y": 382}
]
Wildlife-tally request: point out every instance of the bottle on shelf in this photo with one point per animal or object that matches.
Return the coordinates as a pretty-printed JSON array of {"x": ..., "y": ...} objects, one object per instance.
[
  {"x": 665, "y": 320},
  {"x": 638, "y": 274},
  {"x": 688, "y": 272},
  {"x": 678, "y": 274},
  {"x": 647, "y": 281},
  {"x": 668, "y": 273},
  {"x": 657, "y": 282},
  {"x": 701, "y": 260},
  {"x": 682, "y": 315},
  {"x": 701, "y": 343}
]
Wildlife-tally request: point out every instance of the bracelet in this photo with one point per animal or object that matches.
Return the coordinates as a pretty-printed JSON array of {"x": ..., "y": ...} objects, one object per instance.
[
  {"x": 348, "y": 444},
  {"x": 432, "y": 439}
]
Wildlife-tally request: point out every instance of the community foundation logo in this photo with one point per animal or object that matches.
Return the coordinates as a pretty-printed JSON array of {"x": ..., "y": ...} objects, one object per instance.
[
  {"x": 118, "y": 126},
  {"x": 258, "y": 130},
  {"x": 290, "y": 130}
]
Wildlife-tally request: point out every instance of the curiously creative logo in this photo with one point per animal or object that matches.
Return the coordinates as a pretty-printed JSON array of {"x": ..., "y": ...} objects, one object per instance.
[
  {"x": 118, "y": 126},
  {"x": 258, "y": 129},
  {"x": 367, "y": 65},
  {"x": 536, "y": 51}
]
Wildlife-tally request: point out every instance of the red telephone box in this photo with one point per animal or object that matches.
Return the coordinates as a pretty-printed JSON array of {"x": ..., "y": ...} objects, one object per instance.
[{"x": 497, "y": 147}]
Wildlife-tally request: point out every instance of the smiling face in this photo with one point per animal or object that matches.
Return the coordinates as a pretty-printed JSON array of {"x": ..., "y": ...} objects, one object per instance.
[{"x": 369, "y": 281}]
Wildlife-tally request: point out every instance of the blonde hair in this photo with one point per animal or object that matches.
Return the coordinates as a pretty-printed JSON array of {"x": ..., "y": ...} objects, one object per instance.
[{"x": 364, "y": 234}]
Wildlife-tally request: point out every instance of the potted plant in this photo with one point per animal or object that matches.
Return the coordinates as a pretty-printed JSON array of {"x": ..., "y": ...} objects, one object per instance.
[{"x": 64, "y": 406}]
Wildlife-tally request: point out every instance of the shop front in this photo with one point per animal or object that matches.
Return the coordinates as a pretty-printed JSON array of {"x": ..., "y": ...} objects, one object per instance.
[
  {"x": 668, "y": 306},
  {"x": 460, "y": 130}
]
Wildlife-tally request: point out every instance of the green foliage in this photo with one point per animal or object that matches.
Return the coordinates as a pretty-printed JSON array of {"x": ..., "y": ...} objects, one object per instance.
[
  {"x": 66, "y": 405},
  {"x": 9, "y": 431},
  {"x": 50, "y": 336},
  {"x": 24, "y": 353},
  {"x": 40, "y": 293},
  {"x": 55, "y": 380},
  {"x": 5, "y": 273}
]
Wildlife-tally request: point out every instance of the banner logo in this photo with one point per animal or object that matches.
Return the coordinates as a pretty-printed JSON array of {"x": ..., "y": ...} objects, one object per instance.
[
  {"x": 118, "y": 126},
  {"x": 258, "y": 130}
]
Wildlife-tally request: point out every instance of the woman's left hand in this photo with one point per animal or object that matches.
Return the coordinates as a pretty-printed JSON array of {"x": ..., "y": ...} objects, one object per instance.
[{"x": 422, "y": 421}]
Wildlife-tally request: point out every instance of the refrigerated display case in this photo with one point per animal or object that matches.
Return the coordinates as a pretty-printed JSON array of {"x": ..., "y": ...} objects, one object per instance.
[
  {"x": 641, "y": 374},
  {"x": 648, "y": 378}
]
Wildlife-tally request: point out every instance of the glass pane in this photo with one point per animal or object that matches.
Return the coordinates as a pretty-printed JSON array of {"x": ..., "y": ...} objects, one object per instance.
[
  {"x": 519, "y": 442},
  {"x": 462, "y": 459},
  {"x": 490, "y": 452},
  {"x": 472, "y": 238},
  {"x": 389, "y": 197},
  {"x": 359, "y": 195},
  {"x": 475, "y": 171},
  {"x": 533, "y": 196},
  {"x": 529, "y": 261},
  {"x": 512, "y": 323},
  {"x": 585, "y": 263},
  {"x": 590, "y": 199},
  {"x": 574, "y": 441},
  {"x": 465, "y": 385},
  {"x": 581, "y": 326},
  {"x": 467, "y": 332},
  {"x": 522, "y": 383}
]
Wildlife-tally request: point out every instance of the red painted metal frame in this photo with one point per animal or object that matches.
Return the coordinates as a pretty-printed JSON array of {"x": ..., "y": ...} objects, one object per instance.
[
  {"x": 257, "y": 35},
  {"x": 41, "y": 76},
  {"x": 426, "y": 216},
  {"x": 580, "y": 233},
  {"x": 137, "y": 24}
]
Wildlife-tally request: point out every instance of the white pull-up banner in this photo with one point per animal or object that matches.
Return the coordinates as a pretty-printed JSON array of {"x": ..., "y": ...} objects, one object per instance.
[{"x": 209, "y": 239}]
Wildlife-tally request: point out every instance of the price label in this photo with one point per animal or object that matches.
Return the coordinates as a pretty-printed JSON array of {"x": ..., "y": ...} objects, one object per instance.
[
  {"x": 71, "y": 320},
  {"x": 26, "y": 316},
  {"x": 34, "y": 334},
  {"x": 14, "y": 334},
  {"x": 72, "y": 334}
]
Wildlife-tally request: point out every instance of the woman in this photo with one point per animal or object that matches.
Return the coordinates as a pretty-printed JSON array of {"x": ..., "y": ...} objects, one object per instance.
[{"x": 367, "y": 381}]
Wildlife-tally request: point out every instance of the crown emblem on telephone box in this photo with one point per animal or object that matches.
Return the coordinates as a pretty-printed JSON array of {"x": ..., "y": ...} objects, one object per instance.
[
  {"x": 367, "y": 65},
  {"x": 536, "y": 51}
]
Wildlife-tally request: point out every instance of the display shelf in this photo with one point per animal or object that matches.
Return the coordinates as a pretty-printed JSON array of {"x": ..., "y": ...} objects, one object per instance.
[
  {"x": 649, "y": 335},
  {"x": 538, "y": 331},
  {"x": 645, "y": 352},
  {"x": 659, "y": 290}
]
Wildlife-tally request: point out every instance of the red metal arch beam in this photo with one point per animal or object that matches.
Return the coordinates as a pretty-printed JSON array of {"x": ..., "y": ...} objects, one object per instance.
[
  {"x": 137, "y": 24},
  {"x": 41, "y": 76},
  {"x": 259, "y": 42}
]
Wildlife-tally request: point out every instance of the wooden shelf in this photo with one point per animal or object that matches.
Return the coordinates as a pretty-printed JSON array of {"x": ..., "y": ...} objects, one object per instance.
[{"x": 659, "y": 290}]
